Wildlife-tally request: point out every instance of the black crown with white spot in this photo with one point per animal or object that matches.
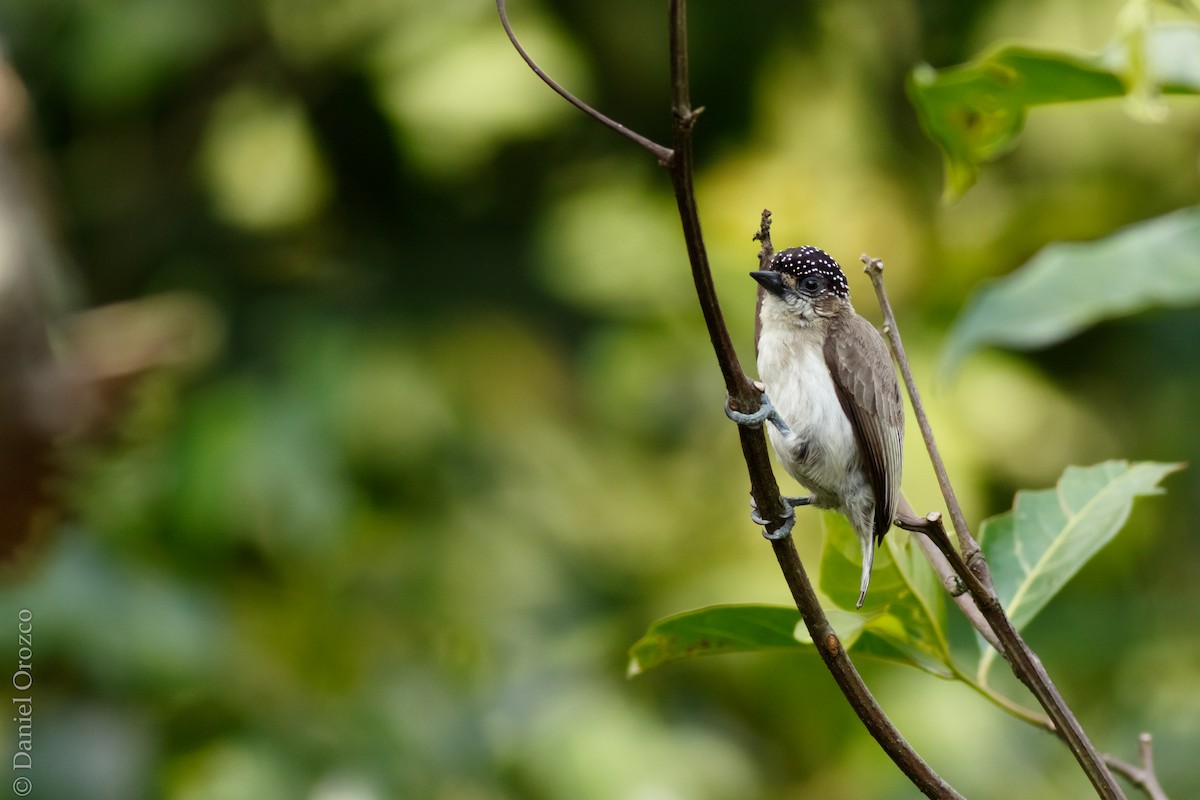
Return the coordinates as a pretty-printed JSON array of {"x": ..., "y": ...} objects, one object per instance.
[{"x": 800, "y": 262}]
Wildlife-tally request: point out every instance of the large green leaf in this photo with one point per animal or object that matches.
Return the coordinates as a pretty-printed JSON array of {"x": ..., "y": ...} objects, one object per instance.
[
  {"x": 1037, "y": 547},
  {"x": 755, "y": 628},
  {"x": 903, "y": 619},
  {"x": 714, "y": 630},
  {"x": 1067, "y": 287},
  {"x": 975, "y": 111}
]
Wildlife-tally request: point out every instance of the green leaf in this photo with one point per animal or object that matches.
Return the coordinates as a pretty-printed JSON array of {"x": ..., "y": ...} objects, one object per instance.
[
  {"x": 904, "y": 616},
  {"x": 975, "y": 111},
  {"x": 1037, "y": 547},
  {"x": 1067, "y": 287},
  {"x": 714, "y": 630},
  {"x": 755, "y": 628},
  {"x": 903, "y": 619}
]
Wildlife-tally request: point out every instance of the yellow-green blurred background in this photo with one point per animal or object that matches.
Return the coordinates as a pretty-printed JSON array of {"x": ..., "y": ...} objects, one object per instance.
[{"x": 456, "y": 439}]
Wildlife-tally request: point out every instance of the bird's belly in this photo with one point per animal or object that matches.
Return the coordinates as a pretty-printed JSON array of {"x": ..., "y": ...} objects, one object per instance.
[{"x": 820, "y": 452}]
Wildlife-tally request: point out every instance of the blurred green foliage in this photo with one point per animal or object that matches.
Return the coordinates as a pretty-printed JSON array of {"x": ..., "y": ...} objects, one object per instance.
[
  {"x": 1027, "y": 309},
  {"x": 464, "y": 440},
  {"x": 976, "y": 111}
]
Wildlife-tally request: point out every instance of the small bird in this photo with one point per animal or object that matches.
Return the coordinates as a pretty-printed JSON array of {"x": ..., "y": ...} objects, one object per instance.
[{"x": 829, "y": 376}]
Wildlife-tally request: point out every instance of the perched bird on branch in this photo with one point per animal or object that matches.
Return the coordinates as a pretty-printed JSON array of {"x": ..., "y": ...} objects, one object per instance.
[{"x": 828, "y": 374}]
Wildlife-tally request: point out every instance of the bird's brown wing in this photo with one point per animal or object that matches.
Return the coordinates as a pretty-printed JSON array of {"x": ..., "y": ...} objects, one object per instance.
[{"x": 862, "y": 373}]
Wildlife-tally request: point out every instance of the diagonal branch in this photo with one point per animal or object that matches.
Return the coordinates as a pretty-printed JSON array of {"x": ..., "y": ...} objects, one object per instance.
[
  {"x": 745, "y": 397},
  {"x": 663, "y": 154},
  {"x": 949, "y": 578},
  {"x": 966, "y": 543}
]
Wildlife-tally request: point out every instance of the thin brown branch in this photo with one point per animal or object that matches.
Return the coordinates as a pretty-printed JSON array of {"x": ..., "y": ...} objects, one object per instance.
[
  {"x": 663, "y": 154},
  {"x": 983, "y": 608},
  {"x": 966, "y": 542},
  {"x": 945, "y": 572},
  {"x": 829, "y": 646},
  {"x": 746, "y": 397},
  {"x": 1144, "y": 776},
  {"x": 743, "y": 395},
  {"x": 1024, "y": 662},
  {"x": 763, "y": 237}
]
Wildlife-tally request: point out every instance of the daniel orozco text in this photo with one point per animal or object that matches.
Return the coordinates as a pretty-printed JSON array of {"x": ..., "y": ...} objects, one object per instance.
[{"x": 22, "y": 704}]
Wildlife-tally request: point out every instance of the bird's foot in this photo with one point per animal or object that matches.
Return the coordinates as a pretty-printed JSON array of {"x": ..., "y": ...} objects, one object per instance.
[
  {"x": 789, "y": 517},
  {"x": 765, "y": 413},
  {"x": 794, "y": 502}
]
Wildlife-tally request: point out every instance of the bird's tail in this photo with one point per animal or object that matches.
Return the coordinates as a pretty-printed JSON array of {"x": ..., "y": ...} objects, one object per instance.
[{"x": 868, "y": 560}]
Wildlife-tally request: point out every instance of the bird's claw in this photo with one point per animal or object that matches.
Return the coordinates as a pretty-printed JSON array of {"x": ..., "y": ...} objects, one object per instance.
[
  {"x": 765, "y": 413},
  {"x": 789, "y": 517}
]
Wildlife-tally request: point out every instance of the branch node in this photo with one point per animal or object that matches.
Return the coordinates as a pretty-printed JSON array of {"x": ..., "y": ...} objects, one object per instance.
[
  {"x": 1143, "y": 775},
  {"x": 871, "y": 265},
  {"x": 977, "y": 563},
  {"x": 763, "y": 235},
  {"x": 687, "y": 118},
  {"x": 955, "y": 586},
  {"x": 931, "y": 526}
]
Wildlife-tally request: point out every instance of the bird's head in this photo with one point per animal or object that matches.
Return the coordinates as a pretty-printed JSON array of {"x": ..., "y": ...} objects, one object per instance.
[{"x": 804, "y": 284}]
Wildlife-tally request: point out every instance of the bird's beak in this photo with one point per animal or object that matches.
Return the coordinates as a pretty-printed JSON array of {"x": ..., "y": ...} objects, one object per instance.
[{"x": 770, "y": 280}]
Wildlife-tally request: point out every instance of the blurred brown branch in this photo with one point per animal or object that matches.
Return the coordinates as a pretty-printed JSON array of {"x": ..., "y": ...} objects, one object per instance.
[
  {"x": 34, "y": 409},
  {"x": 66, "y": 375}
]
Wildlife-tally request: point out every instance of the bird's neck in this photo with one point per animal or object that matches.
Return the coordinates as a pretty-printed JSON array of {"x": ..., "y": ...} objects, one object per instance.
[
  {"x": 779, "y": 318},
  {"x": 784, "y": 346}
]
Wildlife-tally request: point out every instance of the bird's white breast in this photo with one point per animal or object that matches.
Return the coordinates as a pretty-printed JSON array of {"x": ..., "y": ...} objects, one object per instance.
[{"x": 820, "y": 452}]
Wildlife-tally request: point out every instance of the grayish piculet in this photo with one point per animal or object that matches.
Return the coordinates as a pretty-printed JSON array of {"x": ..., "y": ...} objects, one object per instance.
[{"x": 828, "y": 373}]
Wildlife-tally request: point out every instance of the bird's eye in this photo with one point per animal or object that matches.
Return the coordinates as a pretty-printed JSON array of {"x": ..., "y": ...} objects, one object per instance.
[{"x": 812, "y": 284}]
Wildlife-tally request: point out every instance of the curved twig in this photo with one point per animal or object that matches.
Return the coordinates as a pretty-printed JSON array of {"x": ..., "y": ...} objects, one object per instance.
[
  {"x": 1005, "y": 704},
  {"x": 663, "y": 154}
]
